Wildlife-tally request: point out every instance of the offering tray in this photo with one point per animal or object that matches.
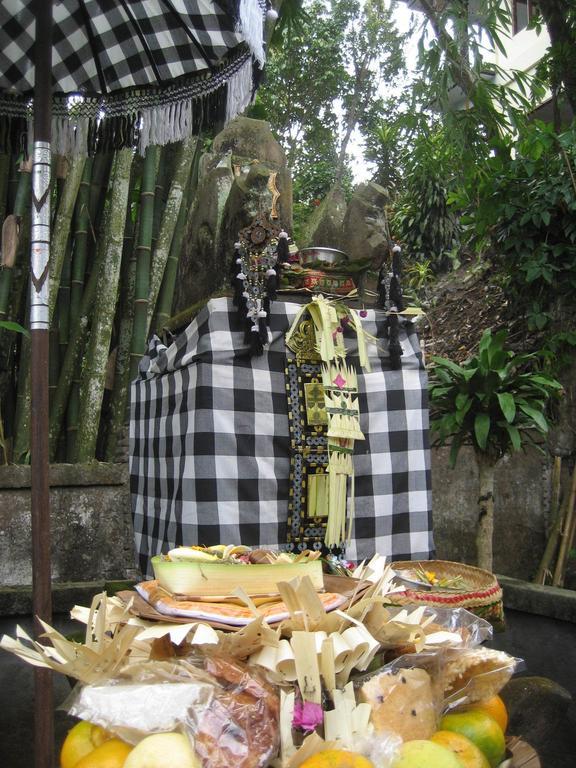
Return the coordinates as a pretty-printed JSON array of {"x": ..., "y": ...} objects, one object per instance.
[{"x": 229, "y": 616}]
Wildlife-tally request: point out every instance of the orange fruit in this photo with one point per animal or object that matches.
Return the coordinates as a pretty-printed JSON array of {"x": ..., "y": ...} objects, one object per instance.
[
  {"x": 496, "y": 708},
  {"x": 111, "y": 754},
  {"x": 481, "y": 729},
  {"x": 337, "y": 758},
  {"x": 464, "y": 749},
  {"x": 82, "y": 739}
]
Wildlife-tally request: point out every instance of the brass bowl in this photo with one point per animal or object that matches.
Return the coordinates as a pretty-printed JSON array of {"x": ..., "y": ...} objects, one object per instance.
[{"x": 321, "y": 255}]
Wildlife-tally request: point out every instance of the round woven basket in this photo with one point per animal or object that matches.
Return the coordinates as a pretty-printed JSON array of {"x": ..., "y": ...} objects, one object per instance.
[{"x": 481, "y": 593}]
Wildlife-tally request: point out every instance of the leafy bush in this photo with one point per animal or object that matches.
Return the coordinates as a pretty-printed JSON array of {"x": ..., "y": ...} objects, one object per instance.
[
  {"x": 421, "y": 219},
  {"x": 494, "y": 401},
  {"x": 523, "y": 202}
]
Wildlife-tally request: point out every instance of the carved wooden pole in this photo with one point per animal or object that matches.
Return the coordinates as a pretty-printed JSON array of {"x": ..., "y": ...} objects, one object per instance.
[{"x": 39, "y": 326}]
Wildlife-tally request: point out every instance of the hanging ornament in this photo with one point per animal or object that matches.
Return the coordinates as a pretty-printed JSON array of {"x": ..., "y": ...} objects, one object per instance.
[{"x": 261, "y": 250}]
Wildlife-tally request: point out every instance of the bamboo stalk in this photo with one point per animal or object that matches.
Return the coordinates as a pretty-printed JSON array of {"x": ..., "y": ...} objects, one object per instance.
[
  {"x": 89, "y": 212},
  {"x": 143, "y": 258},
  {"x": 4, "y": 179},
  {"x": 566, "y": 533},
  {"x": 6, "y": 273},
  {"x": 557, "y": 511},
  {"x": 63, "y": 304},
  {"x": 81, "y": 235},
  {"x": 66, "y": 390},
  {"x": 183, "y": 164},
  {"x": 92, "y": 387},
  {"x": 21, "y": 449},
  {"x": 166, "y": 295},
  {"x": 118, "y": 415},
  {"x": 62, "y": 226}
]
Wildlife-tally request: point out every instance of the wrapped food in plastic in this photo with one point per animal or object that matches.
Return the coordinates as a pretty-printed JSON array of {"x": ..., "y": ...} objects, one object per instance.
[
  {"x": 230, "y": 714},
  {"x": 402, "y": 701},
  {"x": 150, "y": 697},
  {"x": 470, "y": 675},
  {"x": 240, "y": 727}
]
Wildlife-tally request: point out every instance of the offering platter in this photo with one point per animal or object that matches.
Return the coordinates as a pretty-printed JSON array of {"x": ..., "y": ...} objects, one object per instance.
[{"x": 365, "y": 680}]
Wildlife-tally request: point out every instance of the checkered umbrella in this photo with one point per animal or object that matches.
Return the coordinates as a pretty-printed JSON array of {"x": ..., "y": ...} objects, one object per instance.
[
  {"x": 154, "y": 68},
  {"x": 141, "y": 72}
]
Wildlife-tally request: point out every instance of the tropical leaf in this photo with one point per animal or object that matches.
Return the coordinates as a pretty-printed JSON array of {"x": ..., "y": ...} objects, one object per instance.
[
  {"x": 537, "y": 416},
  {"x": 507, "y": 405},
  {"x": 482, "y": 429}
]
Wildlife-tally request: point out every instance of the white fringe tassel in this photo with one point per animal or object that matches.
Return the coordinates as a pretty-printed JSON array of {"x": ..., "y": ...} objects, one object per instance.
[
  {"x": 165, "y": 124},
  {"x": 251, "y": 27},
  {"x": 239, "y": 91},
  {"x": 70, "y": 137}
]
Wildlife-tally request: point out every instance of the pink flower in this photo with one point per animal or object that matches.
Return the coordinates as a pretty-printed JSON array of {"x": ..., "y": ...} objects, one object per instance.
[{"x": 307, "y": 715}]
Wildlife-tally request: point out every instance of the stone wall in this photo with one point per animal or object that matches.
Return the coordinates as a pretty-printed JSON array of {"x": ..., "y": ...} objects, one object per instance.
[
  {"x": 90, "y": 519},
  {"x": 521, "y": 504},
  {"x": 92, "y": 528}
]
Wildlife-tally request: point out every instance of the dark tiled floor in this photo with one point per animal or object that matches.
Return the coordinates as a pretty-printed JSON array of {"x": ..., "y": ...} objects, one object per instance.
[{"x": 547, "y": 646}]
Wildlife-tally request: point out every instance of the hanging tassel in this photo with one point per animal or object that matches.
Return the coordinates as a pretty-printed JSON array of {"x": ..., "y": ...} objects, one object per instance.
[
  {"x": 396, "y": 297},
  {"x": 266, "y": 307},
  {"x": 236, "y": 264},
  {"x": 394, "y": 346},
  {"x": 271, "y": 285},
  {"x": 263, "y": 329},
  {"x": 396, "y": 261},
  {"x": 395, "y": 293},
  {"x": 282, "y": 249},
  {"x": 381, "y": 301},
  {"x": 256, "y": 346}
]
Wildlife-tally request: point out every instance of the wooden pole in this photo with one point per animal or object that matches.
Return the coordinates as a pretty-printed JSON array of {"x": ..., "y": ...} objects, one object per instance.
[{"x": 39, "y": 326}]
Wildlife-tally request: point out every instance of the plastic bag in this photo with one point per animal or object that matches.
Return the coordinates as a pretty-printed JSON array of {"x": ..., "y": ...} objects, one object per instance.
[{"x": 230, "y": 714}]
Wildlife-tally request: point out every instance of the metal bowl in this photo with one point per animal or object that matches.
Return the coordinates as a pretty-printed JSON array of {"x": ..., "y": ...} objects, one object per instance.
[{"x": 321, "y": 255}]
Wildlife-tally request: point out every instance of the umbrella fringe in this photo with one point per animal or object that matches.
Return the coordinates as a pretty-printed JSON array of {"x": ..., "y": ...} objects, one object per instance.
[
  {"x": 240, "y": 91},
  {"x": 137, "y": 118},
  {"x": 251, "y": 25}
]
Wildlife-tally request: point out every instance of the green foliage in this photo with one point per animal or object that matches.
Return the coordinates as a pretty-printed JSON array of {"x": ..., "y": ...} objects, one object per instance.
[
  {"x": 10, "y": 325},
  {"x": 523, "y": 203},
  {"x": 422, "y": 220},
  {"x": 452, "y": 64},
  {"x": 322, "y": 82},
  {"x": 495, "y": 401}
]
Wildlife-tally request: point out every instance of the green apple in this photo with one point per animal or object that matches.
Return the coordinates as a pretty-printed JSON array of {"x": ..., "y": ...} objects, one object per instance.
[
  {"x": 421, "y": 753},
  {"x": 163, "y": 750}
]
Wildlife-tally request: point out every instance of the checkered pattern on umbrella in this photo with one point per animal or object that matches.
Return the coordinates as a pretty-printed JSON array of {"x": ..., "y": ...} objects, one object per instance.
[
  {"x": 210, "y": 449},
  {"x": 102, "y": 46}
]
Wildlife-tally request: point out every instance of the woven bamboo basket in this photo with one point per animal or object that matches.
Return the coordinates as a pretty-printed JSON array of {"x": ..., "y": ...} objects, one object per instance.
[{"x": 480, "y": 593}]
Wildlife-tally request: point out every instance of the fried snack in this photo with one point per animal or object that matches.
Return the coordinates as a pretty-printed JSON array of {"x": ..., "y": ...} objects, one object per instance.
[
  {"x": 476, "y": 673},
  {"x": 240, "y": 727},
  {"x": 402, "y": 701}
]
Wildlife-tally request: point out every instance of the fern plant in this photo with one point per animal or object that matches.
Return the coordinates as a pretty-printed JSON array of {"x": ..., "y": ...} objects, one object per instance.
[{"x": 497, "y": 402}]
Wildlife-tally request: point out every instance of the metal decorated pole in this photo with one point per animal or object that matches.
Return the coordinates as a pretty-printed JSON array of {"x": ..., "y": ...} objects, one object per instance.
[{"x": 39, "y": 326}]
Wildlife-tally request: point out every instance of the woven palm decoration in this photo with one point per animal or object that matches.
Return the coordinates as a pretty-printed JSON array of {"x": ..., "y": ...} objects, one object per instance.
[{"x": 317, "y": 332}]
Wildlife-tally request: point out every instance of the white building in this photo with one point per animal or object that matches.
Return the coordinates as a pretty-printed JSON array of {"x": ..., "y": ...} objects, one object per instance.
[{"x": 524, "y": 49}]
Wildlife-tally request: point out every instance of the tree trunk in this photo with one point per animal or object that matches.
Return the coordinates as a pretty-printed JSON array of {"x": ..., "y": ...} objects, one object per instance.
[
  {"x": 563, "y": 38},
  {"x": 485, "y": 528}
]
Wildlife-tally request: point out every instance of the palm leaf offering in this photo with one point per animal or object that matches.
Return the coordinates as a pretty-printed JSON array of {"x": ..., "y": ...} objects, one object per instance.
[
  {"x": 197, "y": 572},
  {"x": 319, "y": 680}
]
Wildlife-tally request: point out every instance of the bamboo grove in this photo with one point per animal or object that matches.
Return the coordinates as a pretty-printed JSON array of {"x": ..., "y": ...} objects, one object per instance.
[{"x": 117, "y": 229}]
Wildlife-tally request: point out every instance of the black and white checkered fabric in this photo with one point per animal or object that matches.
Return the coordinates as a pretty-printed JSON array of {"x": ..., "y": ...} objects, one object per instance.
[
  {"x": 102, "y": 46},
  {"x": 209, "y": 442}
]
